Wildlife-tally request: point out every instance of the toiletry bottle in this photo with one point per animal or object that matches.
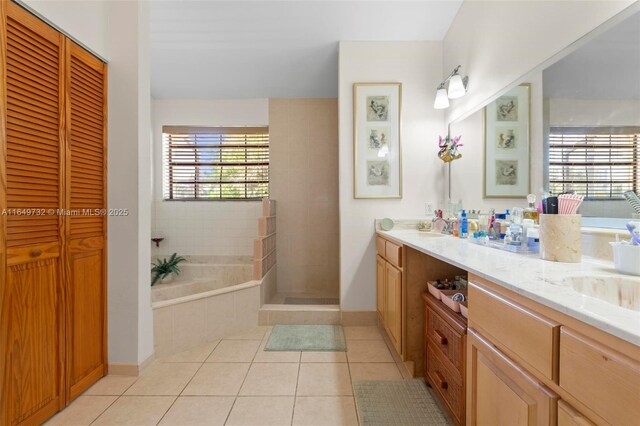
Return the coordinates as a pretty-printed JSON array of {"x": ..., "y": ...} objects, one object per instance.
[
  {"x": 533, "y": 238},
  {"x": 531, "y": 212},
  {"x": 514, "y": 235},
  {"x": 464, "y": 225},
  {"x": 526, "y": 225}
]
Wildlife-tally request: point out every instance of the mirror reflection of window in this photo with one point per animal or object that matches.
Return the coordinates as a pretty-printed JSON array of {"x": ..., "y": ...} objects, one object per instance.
[{"x": 592, "y": 108}]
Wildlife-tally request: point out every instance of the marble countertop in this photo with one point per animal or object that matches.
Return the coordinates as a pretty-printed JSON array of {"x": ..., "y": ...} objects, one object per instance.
[{"x": 534, "y": 278}]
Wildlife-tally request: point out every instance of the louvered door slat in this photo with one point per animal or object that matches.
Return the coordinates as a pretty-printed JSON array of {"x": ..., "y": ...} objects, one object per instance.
[
  {"x": 22, "y": 131},
  {"x": 28, "y": 84},
  {"x": 18, "y": 62},
  {"x": 27, "y": 146},
  {"x": 85, "y": 104},
  {"x": 41, "y": 105}
]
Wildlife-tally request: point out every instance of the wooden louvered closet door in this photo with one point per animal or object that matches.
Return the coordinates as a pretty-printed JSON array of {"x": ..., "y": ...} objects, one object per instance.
[
  {"x": 32, "y": 291},
  {"x": 86, "y": 231},
  {"x": 52, "y": 265}
]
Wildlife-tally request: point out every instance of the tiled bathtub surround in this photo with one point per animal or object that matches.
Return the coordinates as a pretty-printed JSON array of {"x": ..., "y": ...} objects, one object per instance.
[
  {"x": 204, "y": 317},
  {"x": 203, "y": 274}
]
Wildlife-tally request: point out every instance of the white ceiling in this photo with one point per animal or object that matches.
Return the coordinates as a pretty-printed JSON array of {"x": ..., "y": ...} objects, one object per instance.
[
  {"x": 608, "y": 67},
  {"x": 241, "y": 49}
]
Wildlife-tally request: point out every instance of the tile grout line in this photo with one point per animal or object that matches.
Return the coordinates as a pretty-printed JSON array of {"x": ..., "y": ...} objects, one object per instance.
[
  {"x": 103, "y": 411},
  {"x": 114, "y": 401},
  {"x": 235, "y": 399},
  {"x": 353, "y": 391},
  {"x": 187, "y": 384},
  {"x": 295, "y": 392}
]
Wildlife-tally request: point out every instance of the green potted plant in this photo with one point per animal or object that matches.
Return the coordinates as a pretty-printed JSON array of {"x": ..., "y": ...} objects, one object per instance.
[{"x": 165, "y": 269}]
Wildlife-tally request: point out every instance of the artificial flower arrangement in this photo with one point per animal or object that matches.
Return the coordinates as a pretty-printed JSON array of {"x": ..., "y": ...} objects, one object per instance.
[{"x": 449, "y": 148}]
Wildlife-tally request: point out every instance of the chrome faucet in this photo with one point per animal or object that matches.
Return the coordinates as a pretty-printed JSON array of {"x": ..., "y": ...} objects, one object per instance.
[{"x": 448, "y": 225}]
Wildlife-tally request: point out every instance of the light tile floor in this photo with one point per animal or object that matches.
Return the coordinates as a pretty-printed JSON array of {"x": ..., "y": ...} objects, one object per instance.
[{"x": 235, "y": 382}]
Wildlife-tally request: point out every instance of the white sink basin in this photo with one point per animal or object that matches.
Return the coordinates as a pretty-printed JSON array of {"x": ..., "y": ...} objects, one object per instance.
[{"x": 619, "y": 291}]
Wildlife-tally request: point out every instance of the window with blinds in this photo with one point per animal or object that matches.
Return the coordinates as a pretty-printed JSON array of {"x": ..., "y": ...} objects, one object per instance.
[
  {"x": 597, "y": 162},
  {"x": 216, "y": 163}
]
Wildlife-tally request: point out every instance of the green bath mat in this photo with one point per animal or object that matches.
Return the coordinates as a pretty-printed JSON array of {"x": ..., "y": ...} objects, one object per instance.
[
  {"x": 317, "y": 338},
  {"x": 397, "y": 402}
]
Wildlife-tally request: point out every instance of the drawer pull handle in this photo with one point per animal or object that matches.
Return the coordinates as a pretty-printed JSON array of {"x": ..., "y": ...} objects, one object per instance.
[
  {"x": 441, "y": 381},
  {"x": 441, "y": 338},
  {"x": 36, "y": 252}
]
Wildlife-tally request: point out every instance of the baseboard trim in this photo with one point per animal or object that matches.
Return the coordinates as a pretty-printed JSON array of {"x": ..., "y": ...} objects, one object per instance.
[
  {"x": 359, "y": 318},
  {"x": 125, "y": 369}
]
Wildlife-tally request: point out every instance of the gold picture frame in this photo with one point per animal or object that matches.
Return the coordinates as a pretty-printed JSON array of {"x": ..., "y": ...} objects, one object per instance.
[
  {"x": 509, "y": 152},
  {"x": 377, "y": 149}
]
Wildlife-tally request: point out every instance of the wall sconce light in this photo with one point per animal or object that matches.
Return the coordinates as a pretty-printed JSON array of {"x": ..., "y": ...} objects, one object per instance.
[{"x": 453, "y": 87}]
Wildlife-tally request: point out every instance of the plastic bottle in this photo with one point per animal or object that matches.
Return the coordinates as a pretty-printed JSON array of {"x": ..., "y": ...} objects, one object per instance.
[{"x": 464, "y": 226}]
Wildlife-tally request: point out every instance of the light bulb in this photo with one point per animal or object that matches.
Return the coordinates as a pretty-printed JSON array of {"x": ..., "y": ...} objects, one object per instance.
[
  {"x": 442, "y": 101},
  {"x": 456, "y": 87}
]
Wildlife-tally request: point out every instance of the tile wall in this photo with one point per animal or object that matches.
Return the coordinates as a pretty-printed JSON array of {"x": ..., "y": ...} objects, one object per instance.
[
  {"x": 206, "y": 228},
  {"x": 304, "y": 183}
]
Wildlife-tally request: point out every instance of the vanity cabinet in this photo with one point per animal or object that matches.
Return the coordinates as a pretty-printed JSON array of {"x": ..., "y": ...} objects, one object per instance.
[
  {"x": 389, "y": 289},
  {"x": 529, "y": 364},
  {"x": 401, "y": 279},
  {"x": 503, "y": 393},
  {"x": 393, "y": 305},
  {"x": 568, "y": 416},
  {"x": 445, "y": 335}
]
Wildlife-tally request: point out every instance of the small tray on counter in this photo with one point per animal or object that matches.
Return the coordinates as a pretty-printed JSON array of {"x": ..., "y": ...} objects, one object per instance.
[{"x": 499, "y": 245}]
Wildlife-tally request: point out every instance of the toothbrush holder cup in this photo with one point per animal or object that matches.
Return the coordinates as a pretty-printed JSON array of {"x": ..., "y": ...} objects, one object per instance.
[{"x": 561, "y": 237}]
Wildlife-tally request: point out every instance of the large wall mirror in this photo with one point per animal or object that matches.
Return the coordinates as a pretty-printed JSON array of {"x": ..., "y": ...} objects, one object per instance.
[{"x": 584, "y": 132}]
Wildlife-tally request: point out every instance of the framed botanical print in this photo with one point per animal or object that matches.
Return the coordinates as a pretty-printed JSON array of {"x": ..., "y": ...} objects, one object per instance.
[
  {"x": 377, "y": 158},
  {"x": 506, "y": 145}
]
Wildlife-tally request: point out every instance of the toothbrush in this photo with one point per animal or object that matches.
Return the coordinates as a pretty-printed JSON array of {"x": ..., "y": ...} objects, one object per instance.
[{"x": 634, "y": 230}]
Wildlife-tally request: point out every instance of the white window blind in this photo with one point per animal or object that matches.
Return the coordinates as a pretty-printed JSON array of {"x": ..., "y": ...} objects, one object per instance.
[
  {"x": 597, "y": 162},
  {"x": 215, "y": 163}
]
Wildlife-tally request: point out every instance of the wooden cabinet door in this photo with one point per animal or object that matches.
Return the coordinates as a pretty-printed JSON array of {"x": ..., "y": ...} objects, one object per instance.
[
  {"x": 86, "y": 226},
  {"x": 31, "y": 158},
  {"x": 380, "y": 287},
  {"x": 569, "y": 416},
  {"x": 500, "y": 392},
  {"x": 394, "y": 305}
]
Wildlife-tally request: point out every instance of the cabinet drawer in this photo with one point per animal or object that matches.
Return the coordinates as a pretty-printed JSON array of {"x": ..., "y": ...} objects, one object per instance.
[
  {"x": 530, "y": 336},
  {"x": 568, "y": 416},
  {"x": 449, "y": 342},
  {"x": 380, "y": 246},
  {"x": 447, "y": 382},
  {"x": 600, "y": 378},
  {"x": 393, "y": 253}
]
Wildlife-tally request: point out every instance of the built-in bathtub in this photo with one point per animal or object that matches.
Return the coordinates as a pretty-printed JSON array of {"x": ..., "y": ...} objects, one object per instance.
[{"x": 213, "y": 296}]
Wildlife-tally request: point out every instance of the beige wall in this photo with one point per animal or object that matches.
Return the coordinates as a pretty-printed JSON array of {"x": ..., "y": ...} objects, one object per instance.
[
  {"x": 499, "y": 42},
  {"x": 418, "y": 66},
  {"x": 303, "y": 137},
  {"x": 594, "y": 112}
]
